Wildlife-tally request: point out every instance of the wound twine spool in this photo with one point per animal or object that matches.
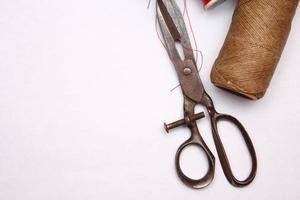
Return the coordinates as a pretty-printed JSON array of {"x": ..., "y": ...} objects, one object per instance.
[{"x": 253, "y": 46}]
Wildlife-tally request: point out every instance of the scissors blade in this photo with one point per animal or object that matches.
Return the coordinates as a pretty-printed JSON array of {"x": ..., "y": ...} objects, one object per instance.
[{"x": 173, "y": 29}]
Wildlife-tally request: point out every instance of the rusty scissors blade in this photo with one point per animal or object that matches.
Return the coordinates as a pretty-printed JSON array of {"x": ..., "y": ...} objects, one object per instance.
[
  {"x": 173, "y": 29},
  {"x": 174, "y": 32}
]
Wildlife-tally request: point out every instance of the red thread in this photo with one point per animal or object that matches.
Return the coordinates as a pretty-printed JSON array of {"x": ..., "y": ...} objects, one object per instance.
[
  {"x": 206, "y": 1},
  {"x": 211, "y": 3},
  {"x": 149, "y": 2}
]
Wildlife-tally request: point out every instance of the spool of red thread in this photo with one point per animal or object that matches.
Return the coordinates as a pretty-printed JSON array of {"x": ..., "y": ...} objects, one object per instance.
[{"x": 211, "y": 3}]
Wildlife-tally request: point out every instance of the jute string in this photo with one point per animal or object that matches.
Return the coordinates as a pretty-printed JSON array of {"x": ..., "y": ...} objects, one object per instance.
[{"x": 253, "y": 46}]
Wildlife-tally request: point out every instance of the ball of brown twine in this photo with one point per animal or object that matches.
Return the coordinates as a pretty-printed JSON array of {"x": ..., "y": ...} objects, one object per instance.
[{"x": 253, "y": 46}]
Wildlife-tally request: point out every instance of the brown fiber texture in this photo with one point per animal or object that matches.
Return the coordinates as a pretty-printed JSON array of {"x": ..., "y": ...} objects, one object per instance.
[{"x": 253, "y": 46}]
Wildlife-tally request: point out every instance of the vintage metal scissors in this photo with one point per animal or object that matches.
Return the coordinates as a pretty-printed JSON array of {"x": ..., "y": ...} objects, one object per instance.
[{"x": 174, "y": 31}]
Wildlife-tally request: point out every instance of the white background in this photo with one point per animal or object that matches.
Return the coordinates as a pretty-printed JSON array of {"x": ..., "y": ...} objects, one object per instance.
[{"x": 85, "y": 89}]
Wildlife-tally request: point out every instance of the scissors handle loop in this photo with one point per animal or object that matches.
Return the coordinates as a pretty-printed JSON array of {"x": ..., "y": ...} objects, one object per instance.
[
  {"x": 222, "y": 153},
  {"x": 196, "y": 140}
]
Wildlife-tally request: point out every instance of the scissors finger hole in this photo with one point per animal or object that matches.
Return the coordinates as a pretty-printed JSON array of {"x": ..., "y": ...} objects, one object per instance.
[
  {"x": 193, "y": 162},
  {"x": 235, "y": 147}
]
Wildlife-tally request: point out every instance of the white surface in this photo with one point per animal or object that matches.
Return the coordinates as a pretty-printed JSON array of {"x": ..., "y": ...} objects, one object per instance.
[{"x": 84, "y": 90}]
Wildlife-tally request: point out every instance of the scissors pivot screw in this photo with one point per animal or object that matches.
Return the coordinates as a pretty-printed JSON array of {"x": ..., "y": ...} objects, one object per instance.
[
  {"x": 182, "y": 122},
  {"x": 187, "y": 71}
]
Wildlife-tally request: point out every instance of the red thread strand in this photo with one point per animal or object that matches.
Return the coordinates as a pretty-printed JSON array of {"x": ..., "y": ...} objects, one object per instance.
[{"x": 149, "y": 2}]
